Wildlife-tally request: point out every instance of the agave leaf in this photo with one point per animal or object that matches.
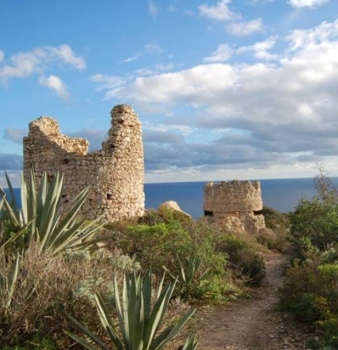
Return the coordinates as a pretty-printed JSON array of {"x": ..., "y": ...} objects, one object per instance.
[
  {"x": 11, "y": 193},
  {"x": 16, "y": 236},
  {"x": 71, "y": 215},
  {"x": 32, "y": 208},
  {"x": 11, "y": 214},
  {"x": 11, "y": 280},
  {"x": 177, "y": 328},
  {"x": 41, "y": 199},
  {"x": 63, "y": 240},
  {"x": 182, "y": 275},
  {"x": 146, "y": 293},
  {"x": 24, "y": 200},
  {"x": 88, "y": 333},
  {"x": 157, "y": 314},
  {"x": 136, "y": 325},
  {"x": 190, "y": 343},
  {"x": 48, "y": 215},
  {"x": 107, "y": 322},
  {"x": 119, "y": 310},
  {"x": 83, "y": 342},
  {"x": 160, "y": 287},
  {"x": 126, "y": 294},
  {"x": 161, "y": 337}
]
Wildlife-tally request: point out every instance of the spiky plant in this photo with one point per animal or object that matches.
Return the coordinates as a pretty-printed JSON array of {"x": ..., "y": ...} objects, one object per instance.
[
  {"x": 189, "y": 277},
  {"x": 41, "y": 218},
  {"x": 139, "y": 323},
  {"x": 8, "y": 283}
]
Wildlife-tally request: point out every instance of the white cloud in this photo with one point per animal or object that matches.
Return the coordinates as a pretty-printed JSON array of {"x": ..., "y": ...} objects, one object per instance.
[
  {"x": 245, "y": 28},
  {"x": 222, "y": 54},
  {"x": 153, "y": 49},
  {"x": 189, "y": 13},
  {"x": 153, "y": 10},
  {"x": 132, "y": 58},
  {"x": 67, "y": 55},
  {"x": 151, "y": 71},
  {"x": 149, "y": 49},
  {"x": 24, "y": 64},
  {"x": 282, "y": 113},
  {"x": 260, "y": 49},
  {"x": 307, "y": 3},
  {"x": 56, "y": 85},
  {"x": 2, "y": 56},
  {"x": 301, "y": 38},
  {"x": 108, "y": 81},
  {"x": 254, "y": 2},
  {"x": 14, "y": 134},
  {"x": 219, "y": 12}
]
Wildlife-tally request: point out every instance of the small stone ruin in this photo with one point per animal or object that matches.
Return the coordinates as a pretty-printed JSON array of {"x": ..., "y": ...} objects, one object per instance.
[
  {"x": 114, "y": 174},
  {"x": 237, "y": 205}
]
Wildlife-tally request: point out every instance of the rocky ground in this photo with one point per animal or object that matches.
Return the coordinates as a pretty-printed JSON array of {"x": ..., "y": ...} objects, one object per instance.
[{"x": 253, "y": 324}]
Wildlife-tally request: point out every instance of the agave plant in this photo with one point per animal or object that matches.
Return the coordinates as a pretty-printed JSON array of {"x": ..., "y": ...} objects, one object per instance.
[
  {"x": 8, "y": 284},
  {"x": 138, "y": 322},
  {"x": 40, "y": 217},
  {"x": 190, "y": 343},
  {"x": 190, "y": 275}
]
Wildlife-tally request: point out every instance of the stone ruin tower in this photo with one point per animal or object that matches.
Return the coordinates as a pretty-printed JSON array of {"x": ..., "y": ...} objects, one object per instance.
[
  {"x": 230, "y": 202},
  {"x": 115, "y": 173}
]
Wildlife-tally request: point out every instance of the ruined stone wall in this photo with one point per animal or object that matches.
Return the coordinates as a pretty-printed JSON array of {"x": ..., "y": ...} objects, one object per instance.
[
  {"x": 115, "y": 173},
  {"x": 241, "y": 199}
]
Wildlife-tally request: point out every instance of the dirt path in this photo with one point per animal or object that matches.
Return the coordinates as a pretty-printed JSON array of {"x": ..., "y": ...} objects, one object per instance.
[{"x": 253, "y": 324}]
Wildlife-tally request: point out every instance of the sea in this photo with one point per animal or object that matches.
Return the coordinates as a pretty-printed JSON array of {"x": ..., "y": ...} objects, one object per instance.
[{"x": 280, "y": 194}]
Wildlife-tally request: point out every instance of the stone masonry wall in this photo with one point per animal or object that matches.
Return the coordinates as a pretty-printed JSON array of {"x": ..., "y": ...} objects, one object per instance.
[
  {"x": 115, "y": 173},
  {"x": 241, "y": 199}
]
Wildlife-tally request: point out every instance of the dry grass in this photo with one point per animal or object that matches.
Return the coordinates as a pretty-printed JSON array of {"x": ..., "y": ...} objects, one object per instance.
[{"x": 50, "y": 285}]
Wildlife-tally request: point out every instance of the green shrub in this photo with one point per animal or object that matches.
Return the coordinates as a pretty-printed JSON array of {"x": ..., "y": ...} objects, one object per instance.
[
  {"x": 156, "y": 246},
  {"x": 172, "y": 245},
  {"x": 279, "y": 223},
  {"x": 315, "y": 220},
  {"x": 310, "y": 290},
  {"x": 242, "y": 256},
  {"x": 275, "y": 220},
  {"x": 310, "y": 293}
]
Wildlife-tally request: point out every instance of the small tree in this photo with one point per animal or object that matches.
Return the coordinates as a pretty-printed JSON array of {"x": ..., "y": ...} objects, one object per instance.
[{"x": 315, "y": 221}]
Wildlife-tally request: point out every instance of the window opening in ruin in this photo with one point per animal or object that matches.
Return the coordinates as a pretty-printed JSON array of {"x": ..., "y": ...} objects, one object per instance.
[
  {"x": 64, "y": 195},
  {"x": 65, "y": 161},
  {"x": 208, "y": 213},
  {"x": 109, "y": 196},
  {"x": 258, "y": 212}
]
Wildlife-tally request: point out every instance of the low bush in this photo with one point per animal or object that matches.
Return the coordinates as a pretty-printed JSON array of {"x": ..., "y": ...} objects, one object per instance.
[
  {"x": 175, "y": 245},
  {"x": 310, "y": 293},
  {"x": 47, "y": 285},
  {"x": 243, "y": 257},
  {"x": 310, "y": 290},
  {"x": 279, "y": 224}
]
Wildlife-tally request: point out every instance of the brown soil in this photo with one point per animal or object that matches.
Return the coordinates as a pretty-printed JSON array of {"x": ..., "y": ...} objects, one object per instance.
[{"x": 255, "y": 323}]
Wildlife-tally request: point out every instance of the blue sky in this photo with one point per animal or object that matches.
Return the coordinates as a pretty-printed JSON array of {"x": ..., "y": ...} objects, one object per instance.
[{"x": 224, "y": 89}]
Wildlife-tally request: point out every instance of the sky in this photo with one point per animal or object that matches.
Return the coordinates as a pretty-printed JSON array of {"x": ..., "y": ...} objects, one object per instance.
[{"x": 229, "y": 89}]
